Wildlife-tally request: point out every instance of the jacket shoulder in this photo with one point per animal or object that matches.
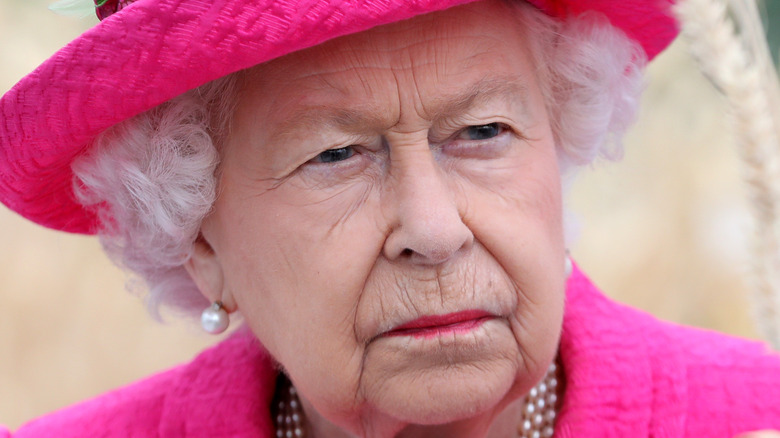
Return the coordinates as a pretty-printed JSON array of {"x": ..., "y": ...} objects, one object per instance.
[
  {"x": 224, "y": 392},
  {"x": 131, "y": 411},
  {"x": 733, "y": 384},
  {"x": 629, "y": 374}
]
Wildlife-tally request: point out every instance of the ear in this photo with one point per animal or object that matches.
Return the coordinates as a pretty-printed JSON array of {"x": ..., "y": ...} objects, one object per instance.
[{"x": 206, "y": 271}]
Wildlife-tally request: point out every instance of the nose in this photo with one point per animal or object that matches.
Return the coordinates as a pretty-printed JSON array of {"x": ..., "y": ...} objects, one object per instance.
[{"x": 427, "y": 226}]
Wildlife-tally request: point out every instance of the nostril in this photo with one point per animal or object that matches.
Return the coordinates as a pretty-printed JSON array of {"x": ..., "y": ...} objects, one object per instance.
[{"x": 407, "y": 252}]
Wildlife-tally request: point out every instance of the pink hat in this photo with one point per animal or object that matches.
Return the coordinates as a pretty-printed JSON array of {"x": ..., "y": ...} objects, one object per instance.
[{"x": 154, "y": 50}]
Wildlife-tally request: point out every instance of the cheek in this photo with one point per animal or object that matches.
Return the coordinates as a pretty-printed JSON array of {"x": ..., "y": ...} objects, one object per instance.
[
  {"x": 297, "y": 276},
  {"x": 517, "y": 214},
  {"x": 521, "y": 227}
]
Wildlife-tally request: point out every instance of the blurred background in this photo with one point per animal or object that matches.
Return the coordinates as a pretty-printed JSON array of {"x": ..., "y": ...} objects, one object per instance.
[{"x": 665, "y": 230}]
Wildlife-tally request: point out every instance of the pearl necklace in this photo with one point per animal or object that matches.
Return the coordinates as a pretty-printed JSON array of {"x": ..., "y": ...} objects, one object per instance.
[
  {"x": 539, "y": 409},
  {"x": 538, "y": 421},
  {"x": 289, "y": 416}
]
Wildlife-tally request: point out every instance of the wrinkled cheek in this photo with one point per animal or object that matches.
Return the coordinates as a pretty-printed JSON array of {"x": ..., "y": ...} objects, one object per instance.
[{"x": 522, "y": 229}]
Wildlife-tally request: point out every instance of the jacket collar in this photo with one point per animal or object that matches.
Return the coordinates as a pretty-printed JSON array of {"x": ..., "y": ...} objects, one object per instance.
[
  {"x": 225, "y": 392},
  {"x": 624, "y": 377}
]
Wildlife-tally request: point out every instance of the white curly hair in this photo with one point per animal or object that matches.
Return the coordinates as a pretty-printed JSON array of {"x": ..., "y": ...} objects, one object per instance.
[{"x": 152, "y": 179}]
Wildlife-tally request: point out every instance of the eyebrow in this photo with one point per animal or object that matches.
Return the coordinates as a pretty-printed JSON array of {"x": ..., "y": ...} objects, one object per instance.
[{"x": 507, "y": 88}]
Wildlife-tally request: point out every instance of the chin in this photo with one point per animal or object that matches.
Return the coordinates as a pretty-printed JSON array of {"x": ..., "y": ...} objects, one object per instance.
[{"x": 455, "y": 392}]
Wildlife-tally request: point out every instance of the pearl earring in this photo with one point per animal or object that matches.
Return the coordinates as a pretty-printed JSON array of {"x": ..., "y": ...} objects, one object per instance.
[
  {"x": 215, "y": 319},
  {"x": 567, "y": 264}
]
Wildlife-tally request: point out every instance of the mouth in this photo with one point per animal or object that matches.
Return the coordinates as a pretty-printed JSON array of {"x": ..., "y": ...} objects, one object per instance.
[{"x": 436, "y": 325}]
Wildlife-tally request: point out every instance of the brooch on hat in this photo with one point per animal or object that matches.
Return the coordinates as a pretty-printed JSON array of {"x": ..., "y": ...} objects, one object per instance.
[{"x": 104, "y": 8}]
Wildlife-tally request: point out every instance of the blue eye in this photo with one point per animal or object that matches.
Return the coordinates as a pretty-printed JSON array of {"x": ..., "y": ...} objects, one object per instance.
[
  {"x": 481, "y": 132},
  {"x": 335, "y": 155}
]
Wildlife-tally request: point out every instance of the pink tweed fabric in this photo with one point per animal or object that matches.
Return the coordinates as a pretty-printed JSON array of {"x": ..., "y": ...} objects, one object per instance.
[
  {"x": 627, "y": 375},
  {"x": 154, "y": 50}
]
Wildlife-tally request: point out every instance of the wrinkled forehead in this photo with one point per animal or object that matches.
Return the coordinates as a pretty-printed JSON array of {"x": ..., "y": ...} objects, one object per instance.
[{"x": 442, "y": 62}]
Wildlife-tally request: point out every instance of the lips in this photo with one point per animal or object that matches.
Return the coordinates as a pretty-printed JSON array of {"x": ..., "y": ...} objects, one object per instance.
[{"x": 436, "y": 325}]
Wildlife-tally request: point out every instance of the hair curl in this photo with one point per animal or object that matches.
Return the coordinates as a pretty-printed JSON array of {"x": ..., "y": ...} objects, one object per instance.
[{"x": 153, "y": 179}]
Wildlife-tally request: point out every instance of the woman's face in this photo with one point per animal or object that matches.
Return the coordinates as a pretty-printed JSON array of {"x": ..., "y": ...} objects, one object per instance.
[{"x": 389, "y": 221}]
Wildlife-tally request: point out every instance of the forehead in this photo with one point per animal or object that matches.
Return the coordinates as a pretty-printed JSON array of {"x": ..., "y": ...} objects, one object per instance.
[{"x": 471, "y": 52}]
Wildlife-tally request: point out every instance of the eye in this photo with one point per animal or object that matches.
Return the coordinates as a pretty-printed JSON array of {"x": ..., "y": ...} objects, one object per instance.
[
  {"x": 335, "y": 155},
  {"x": 481, "y": 132}
]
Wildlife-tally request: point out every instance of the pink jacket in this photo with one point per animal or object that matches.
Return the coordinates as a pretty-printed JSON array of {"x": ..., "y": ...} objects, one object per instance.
[{"x": 627, "y": 375}]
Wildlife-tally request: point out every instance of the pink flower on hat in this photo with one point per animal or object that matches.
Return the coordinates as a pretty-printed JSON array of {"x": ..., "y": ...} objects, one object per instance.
[{"x": 104, "y": 8}]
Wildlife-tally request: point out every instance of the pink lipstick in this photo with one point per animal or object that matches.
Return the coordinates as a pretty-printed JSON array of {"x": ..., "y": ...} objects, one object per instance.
[{"x": 436, "y": 325}]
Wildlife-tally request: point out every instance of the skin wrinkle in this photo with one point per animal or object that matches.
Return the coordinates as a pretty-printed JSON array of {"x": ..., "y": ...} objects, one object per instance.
[
  {"x": 524, "y": 362},
  {"x": 457, "y": 281},
  {"x": 440, "y": 288},
  {"x": 358, "y": 204},
  {"x": 418, "y": 102},
  {"x": 355, "y": 120},
  {"x": 354, "y": 207},
  {"x": 399, "y": 100},
  {"x": 404, "y": 290}
]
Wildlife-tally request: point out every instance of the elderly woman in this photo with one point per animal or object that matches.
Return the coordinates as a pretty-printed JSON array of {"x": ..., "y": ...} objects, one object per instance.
[{"x": 376, "y": 188}]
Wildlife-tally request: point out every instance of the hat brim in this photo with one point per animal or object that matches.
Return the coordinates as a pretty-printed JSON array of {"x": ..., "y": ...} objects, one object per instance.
[{"x": 154, "y": 50}]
